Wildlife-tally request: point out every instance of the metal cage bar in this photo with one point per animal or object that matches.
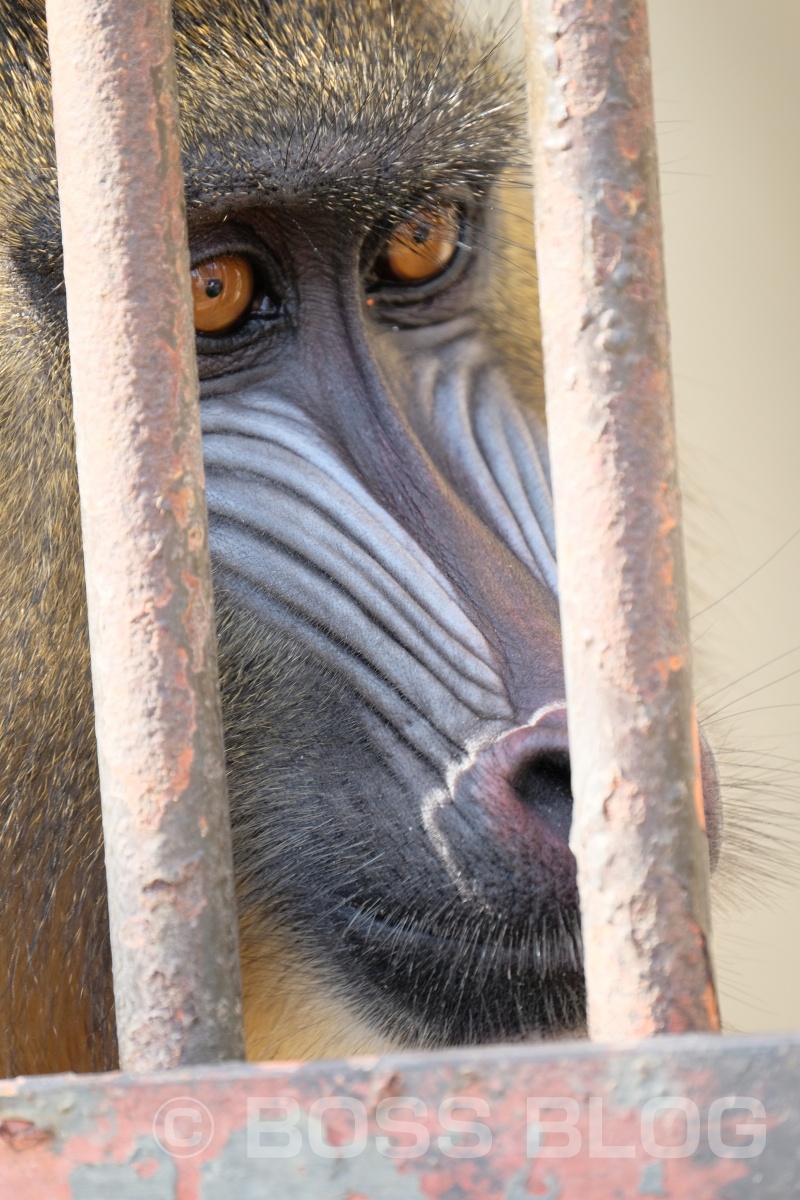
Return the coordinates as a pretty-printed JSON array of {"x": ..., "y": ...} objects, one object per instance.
[
  {"x": 145, "y": 535},
  {"x": 638, "y": 820},
  {"x": 690, "y": 1118},
  {"x": 551, "y": 1119}
]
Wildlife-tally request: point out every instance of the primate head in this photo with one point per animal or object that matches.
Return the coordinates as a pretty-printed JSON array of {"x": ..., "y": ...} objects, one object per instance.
[{"x": 381, "y": 533}]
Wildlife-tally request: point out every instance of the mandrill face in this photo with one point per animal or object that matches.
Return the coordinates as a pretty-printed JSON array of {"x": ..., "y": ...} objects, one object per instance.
[
  {"x": 382, "y": 533},
  {"x": 381, "y": 525},
  {"x": 382, "y": 538}
]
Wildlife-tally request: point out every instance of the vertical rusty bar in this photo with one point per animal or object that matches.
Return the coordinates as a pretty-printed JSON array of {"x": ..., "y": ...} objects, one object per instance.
[
  {"x": 638, "y": 826},
  {"x": 151, "y": 627}
]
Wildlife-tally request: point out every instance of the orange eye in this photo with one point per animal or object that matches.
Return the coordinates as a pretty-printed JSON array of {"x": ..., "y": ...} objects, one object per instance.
[
  {"x": 421, "y": 247},
  {"x": 223, "y": 290}
]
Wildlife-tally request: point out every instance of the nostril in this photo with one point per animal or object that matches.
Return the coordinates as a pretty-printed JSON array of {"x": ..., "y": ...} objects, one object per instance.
[
  {"x": 543, "y": 783},
  {"x": 519, "y": 785}
]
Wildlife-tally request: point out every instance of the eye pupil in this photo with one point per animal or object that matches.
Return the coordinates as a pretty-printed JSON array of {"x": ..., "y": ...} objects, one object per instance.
[
  {"x": 223, "y": 290},
  {"x": 421, "y": 247}
]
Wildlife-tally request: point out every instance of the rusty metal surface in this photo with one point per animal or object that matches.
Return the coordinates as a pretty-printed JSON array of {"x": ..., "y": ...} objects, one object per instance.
[
  {"x": 176, "y": 973},
  {"x": 637, "y": 830},
  {"x": 695, "y": 1117}
]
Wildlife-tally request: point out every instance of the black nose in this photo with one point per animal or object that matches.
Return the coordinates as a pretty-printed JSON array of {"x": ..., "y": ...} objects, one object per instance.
[
  {"x": 523, "y": 779},
  {"x": 504, "y": 826},
  {"x": 524, "y": 776}
]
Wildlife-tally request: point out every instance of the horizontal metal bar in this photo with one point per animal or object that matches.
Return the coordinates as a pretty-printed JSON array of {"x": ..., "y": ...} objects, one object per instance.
[
  {"x": 695, "y": 1116},
  {"x": 638, "y": 825},
  {"x": 148, "y": 580}
]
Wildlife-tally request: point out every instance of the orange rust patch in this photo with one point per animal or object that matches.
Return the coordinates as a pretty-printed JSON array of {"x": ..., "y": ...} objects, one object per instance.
[{"x": 23, "y": 1135}]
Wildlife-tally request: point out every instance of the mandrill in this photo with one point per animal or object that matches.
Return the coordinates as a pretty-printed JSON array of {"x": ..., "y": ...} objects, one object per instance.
[{"x": 381, "y": 534}]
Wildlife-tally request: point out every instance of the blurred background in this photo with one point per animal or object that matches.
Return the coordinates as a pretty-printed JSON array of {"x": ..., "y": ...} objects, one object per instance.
[{"x": 727, "y": 91}]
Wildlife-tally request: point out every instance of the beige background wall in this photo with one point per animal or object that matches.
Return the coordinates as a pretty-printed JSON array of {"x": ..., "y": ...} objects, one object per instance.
[{"x": 727, "y": 87}]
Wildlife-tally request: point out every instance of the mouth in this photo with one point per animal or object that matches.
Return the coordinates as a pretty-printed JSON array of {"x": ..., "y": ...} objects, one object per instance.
[{"x": 466, "y": 977}]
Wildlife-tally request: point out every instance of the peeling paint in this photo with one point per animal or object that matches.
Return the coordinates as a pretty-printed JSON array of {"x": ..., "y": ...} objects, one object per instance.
[{"x": 105, "y": 1140}]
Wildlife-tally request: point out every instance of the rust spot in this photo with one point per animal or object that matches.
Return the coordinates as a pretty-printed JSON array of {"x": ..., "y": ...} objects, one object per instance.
[
  {"x": 712, "y": 1007},
  {"x": 629, "y": 140},
  {"x": 23, "y": 1135},
  {"x": 196, "y": 618},
  {"x": 387, "y": 1086},
  {"x": 179, "y": 781},
  {"x": 584, "y": 63},
  {"x": 183, "y": 503},
  {"x": 146, "y": 1169},
  {"x": 608, "y": 249},
  {"x": 664, "y": 668},
  {"x": 624, "y": 202}
]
